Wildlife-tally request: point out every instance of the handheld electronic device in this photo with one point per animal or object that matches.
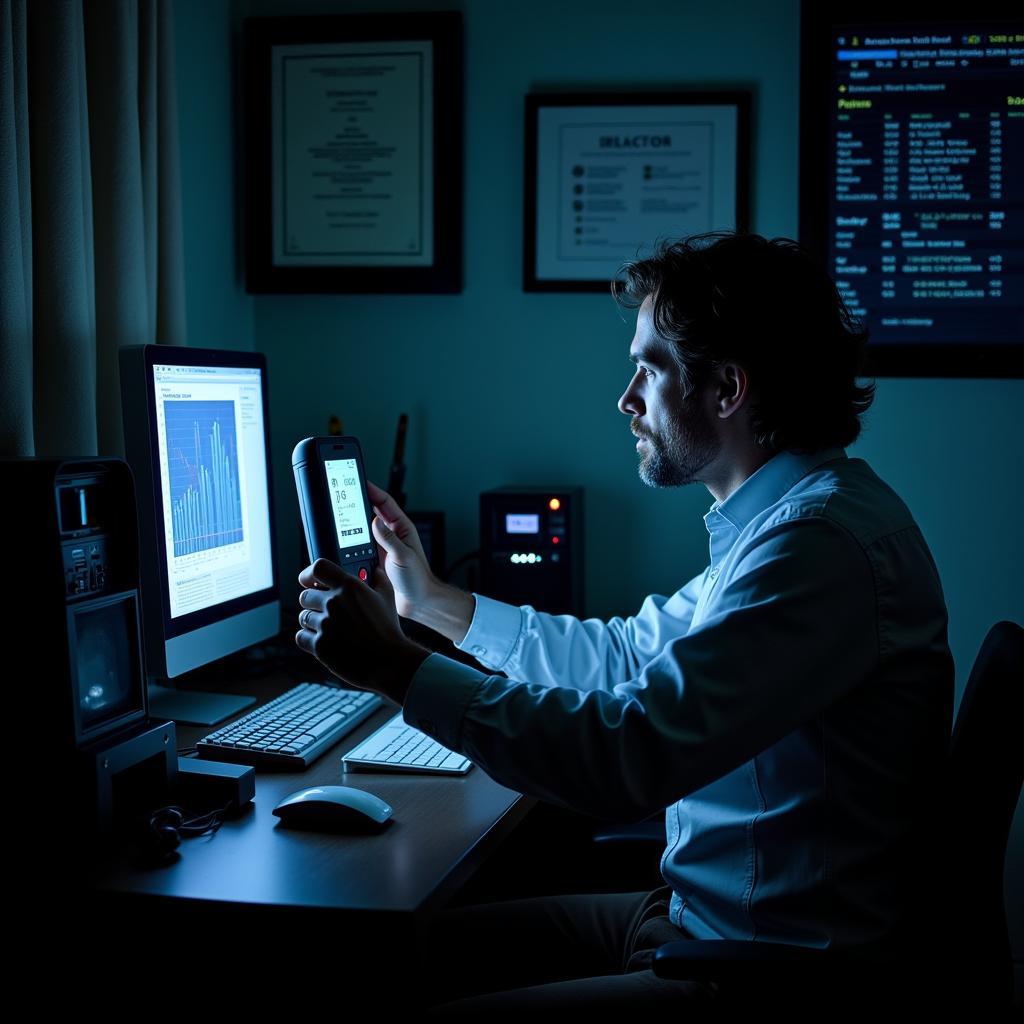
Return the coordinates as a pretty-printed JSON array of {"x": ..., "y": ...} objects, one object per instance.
[{"x": 335, "y": 506}]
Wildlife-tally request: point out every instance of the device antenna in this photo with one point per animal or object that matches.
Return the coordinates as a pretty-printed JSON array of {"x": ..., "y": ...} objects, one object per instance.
[{"x": 396, "y": 478}]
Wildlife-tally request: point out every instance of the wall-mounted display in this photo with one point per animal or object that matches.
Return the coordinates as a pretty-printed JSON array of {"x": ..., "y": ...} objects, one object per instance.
[
  {"x": 912, "y": 179},
  {"x": 354, "y": 153},
  {"x": 609, "y": 174}
]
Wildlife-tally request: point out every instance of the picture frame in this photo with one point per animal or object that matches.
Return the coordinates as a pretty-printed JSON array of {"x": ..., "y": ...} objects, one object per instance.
[
  {"x": 592, "y": 200},
  {"x": 353, "y": 143}
]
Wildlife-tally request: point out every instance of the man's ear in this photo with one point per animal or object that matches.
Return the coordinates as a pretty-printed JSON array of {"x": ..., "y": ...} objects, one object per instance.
[{"x": 732, "y": 388}]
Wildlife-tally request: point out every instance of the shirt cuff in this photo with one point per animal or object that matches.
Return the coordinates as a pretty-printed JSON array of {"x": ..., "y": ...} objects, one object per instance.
[
  {"x": 494, "y": 631},
  {"x": 438, "y": 697}
]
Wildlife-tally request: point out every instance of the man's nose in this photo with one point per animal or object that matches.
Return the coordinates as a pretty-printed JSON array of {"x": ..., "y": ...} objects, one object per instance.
[{"x": 630, "y": 403}]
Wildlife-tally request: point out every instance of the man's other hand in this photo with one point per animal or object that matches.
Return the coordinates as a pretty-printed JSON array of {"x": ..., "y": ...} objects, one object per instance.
[
  {"x": 401, "y": 553},
  {"x": 353, "y": 630}
]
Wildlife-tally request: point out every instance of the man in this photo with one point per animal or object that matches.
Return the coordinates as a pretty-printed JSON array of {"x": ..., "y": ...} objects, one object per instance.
[{"x": 788, "y": 708}]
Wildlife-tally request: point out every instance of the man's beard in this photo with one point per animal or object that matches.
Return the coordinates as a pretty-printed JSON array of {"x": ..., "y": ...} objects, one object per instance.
[{"x": 676, "y": 460}]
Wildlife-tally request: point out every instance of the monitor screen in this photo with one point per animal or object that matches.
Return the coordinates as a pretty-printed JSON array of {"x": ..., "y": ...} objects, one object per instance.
[
  {"x": 213, "y": 483},
  {"x": 197, "y": 439},
  {"x": 912, "y": 178}
]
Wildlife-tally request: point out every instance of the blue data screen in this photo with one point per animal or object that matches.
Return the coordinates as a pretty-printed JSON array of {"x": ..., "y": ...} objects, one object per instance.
[{"x": 926, "y": 203}]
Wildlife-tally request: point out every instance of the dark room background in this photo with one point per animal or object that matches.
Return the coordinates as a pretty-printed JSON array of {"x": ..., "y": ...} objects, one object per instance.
[{"x": 506, "y": 387}]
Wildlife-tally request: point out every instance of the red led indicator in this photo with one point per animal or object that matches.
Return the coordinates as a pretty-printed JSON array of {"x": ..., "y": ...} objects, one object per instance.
[
  {"x": 554, "y": 540},
  {"x": 362, "y": 575}
]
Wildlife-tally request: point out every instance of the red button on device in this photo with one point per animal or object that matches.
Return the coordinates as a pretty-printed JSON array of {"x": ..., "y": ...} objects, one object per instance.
[{"x": 362, "y": 575}]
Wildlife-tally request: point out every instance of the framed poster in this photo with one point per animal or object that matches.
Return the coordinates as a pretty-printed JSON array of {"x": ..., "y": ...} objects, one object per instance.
[
  {"x": 608, "y": 174},
  {"x": 354, "y": 153},
  {"x": 911, "y": 183}
]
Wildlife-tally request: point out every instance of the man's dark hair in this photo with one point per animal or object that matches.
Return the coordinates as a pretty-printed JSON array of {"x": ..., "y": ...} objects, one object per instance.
[{"x": 769, "y": 306}]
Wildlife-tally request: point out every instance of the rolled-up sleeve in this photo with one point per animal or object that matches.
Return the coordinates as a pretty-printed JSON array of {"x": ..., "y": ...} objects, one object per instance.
[{"x": 795, "y": 628}]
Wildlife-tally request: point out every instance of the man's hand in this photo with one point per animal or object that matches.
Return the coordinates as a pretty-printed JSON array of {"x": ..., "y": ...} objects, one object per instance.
[
  {"x": 353, "y": 630},
  {"x": 418, "y": 594},
  {"x": 402, "y": 554}
]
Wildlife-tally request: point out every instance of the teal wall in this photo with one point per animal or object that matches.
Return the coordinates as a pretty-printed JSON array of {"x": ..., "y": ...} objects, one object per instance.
[{"x": 506, "y": 387}]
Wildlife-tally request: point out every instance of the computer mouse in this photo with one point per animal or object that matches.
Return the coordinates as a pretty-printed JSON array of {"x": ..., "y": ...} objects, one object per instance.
[{"x": 334, "y": 809}]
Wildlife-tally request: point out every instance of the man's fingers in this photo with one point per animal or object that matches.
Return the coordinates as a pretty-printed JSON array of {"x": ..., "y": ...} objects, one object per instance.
[
  {"x": 383, "y": 504},
  {"x": 330, "y": 573},
  {"x": 377, "y": 494},
  {"x": 310, "y": 620},
  {"x": 308, "y": 580},
  {"x": 386, "y": 537},
  {"x": 314, "y": 599},
  {"x": 323, "y": 570},
  {"x": 382, "y": 584}
]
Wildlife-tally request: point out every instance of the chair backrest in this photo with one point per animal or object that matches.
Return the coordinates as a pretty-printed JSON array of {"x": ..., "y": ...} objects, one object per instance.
[
  {"x": 986, "y": 771},
  {"x": 953, "y": 939}
]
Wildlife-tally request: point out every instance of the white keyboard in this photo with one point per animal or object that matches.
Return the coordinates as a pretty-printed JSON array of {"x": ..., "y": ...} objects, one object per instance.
[{"x": 397, "y": 747}]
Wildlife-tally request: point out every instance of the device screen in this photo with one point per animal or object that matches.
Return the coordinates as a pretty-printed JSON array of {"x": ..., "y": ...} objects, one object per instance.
[
  {"x": 346, "y": 491},
  {"x": 522, "y": 523}
]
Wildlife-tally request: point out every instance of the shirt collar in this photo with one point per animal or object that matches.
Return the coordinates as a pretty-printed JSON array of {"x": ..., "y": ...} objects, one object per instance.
[{"x": 766, "y": 485}]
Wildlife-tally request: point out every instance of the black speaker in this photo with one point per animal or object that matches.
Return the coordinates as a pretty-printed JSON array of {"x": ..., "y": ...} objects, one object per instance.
[{"x": 79, "y": 702}]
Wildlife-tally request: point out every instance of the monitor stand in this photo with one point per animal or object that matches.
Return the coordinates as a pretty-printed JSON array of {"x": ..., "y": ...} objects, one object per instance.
[{"x": 194, "y": 707}]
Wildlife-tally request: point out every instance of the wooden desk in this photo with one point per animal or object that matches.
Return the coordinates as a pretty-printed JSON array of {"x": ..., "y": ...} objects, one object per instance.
[{"x": 257, "y": 875}]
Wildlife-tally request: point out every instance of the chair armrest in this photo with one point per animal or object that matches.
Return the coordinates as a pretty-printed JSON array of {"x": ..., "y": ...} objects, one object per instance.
[
  {"x": 778, "y": 963},
  {"x": 729, "y": 960},
  {"x": 638, "y": 832},
  {"x": 803, "y": 979}
]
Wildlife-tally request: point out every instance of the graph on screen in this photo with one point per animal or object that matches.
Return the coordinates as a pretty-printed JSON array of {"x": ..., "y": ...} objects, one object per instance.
[{"x": 202, "y": 469}]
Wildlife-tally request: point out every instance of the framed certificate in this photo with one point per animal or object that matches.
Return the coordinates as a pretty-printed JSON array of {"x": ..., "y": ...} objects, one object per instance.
[
  {"x": 608, "y": 174},
  {"x": 354, "y": 153}
]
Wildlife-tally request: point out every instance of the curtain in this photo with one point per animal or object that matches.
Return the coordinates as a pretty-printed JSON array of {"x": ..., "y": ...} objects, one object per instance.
[{"x": 90, "y": 214}]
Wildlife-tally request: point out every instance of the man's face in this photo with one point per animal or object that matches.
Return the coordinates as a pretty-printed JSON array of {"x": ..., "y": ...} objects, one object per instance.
[{"x": 677, "y": 435}]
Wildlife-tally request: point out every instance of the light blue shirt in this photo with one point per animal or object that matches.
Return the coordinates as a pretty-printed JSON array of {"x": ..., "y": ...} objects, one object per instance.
[{"x": 788, "y": 708}]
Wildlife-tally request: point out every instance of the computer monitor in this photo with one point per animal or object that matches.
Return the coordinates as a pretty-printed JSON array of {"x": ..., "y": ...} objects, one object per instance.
[
  {"x": 197, "y": 440},
  {"x": 912, "y": 153}
]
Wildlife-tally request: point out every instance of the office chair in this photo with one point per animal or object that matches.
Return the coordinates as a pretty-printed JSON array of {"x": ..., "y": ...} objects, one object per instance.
[{"x": 955, "y": 952}]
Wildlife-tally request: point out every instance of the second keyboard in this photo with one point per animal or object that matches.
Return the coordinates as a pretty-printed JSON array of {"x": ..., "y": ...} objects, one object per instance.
[{"x": 398, "y": 747}]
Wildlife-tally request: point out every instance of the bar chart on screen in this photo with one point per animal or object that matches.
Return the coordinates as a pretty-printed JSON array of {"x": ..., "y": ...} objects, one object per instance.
[{"x": 203, "y": 472}]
